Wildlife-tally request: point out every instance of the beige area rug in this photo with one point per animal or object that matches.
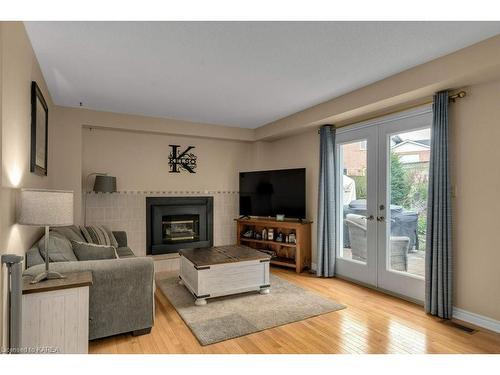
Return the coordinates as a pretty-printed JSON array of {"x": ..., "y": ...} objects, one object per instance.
[{"x": 225, "y": 318}]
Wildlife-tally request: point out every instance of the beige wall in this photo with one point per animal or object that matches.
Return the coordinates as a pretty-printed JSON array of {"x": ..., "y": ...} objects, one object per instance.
[
  {"x": 298, "y": 151},
  {"x": 19, "y": 68},
  {"x": 140, "y": 160},
  {"x": 474, "y": 132}
]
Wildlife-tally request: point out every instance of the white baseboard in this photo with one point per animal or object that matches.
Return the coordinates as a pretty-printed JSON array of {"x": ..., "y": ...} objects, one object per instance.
[{"x": 476, "y": 319}]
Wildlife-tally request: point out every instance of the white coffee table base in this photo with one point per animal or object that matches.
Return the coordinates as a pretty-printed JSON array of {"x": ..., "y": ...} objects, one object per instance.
[{"x": 224, "y": 279}]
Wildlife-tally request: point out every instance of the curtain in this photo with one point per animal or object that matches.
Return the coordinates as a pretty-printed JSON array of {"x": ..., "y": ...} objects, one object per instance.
[
  {"x": 438, "y": 256},
  {"x": 326, "y": 203}
]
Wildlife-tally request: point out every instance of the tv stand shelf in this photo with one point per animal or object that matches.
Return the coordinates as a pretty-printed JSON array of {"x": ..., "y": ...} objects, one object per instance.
[
  {"x": 293, "y": 255},
  {"x": 285, "y": 262},
  {"x": 243, "y": 239}
]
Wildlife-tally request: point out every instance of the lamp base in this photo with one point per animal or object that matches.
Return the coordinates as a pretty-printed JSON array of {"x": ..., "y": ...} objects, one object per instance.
[{"x": 46, "y": 275}]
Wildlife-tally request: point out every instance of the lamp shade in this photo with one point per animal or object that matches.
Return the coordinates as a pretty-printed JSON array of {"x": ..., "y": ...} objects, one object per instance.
[
  {"x": 45, "y": 207},
  {"x": 105, "y": 184}
]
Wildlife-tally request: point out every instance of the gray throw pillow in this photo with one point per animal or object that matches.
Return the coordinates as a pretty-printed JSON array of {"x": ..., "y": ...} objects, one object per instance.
[
  {"x": 60, "y": 249},
  {"x": 33, "y": 257},
  {"x": 112, "y": 238},
  {"x": 99, "y": 235},
  {"x": 71, "y": 232},
  {"x": 90, "y": 251}
]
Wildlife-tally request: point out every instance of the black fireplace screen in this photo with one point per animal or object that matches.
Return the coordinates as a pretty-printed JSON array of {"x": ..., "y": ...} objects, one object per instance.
[{"x": 180, "y": 228}]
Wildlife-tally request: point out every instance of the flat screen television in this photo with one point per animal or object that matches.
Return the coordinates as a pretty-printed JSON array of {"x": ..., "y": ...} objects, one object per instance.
[{"x": 268, "y": 193}]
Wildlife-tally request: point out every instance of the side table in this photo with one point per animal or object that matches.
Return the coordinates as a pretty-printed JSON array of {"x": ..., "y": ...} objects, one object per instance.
[{"x": 55, "y": 316}]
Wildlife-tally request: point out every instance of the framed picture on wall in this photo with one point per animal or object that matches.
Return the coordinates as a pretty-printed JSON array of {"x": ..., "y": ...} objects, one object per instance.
[{"x": 39, "y": 131}]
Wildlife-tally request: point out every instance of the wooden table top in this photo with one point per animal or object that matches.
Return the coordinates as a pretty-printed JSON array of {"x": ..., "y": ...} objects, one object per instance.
[
  {"x": 223, "y": 254},
  {"x": 71, "y": 280}
]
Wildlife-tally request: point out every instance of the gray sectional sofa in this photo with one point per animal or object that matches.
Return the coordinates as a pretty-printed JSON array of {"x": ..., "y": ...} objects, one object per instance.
[{"x": 121, "y": 297}]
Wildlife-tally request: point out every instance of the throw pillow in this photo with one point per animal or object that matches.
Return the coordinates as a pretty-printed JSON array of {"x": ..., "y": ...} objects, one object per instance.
[
  {"x": 99, "y": 235},
  {"x": 71, "y": 232},
  {"x": 89, "y": 251},
  {"x": 60, "y": 249}
]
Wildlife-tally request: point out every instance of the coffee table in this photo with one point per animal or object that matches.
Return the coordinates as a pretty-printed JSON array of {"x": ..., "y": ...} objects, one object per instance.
[{"x": 224, "y": 270}]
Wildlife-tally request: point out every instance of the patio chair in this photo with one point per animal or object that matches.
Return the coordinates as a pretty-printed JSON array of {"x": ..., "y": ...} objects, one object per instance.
[
  {"x": 403, "y": 222},
  {"x": 357, "y": 233}
]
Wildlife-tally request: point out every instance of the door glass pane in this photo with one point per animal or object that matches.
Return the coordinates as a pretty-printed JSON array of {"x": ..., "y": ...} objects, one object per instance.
[
  {"x": 353, "y": 236},
  {"x": 408, "y": 164}
]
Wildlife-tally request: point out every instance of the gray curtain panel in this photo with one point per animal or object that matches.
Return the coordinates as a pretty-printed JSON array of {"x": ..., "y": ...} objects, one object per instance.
[
  {"x": 439, "y": 256},
  {"x": 326, "y": 203}
]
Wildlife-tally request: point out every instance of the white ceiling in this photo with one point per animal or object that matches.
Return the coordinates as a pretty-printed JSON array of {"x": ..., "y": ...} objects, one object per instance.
[{"x": 242, "y": 74}]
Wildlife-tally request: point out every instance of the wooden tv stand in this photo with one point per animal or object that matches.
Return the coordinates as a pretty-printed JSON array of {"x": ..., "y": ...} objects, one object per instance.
[{"x": 294, "y": 255}]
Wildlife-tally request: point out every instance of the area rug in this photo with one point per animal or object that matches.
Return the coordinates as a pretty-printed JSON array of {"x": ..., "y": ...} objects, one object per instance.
[{"x": 225, "y": 318}]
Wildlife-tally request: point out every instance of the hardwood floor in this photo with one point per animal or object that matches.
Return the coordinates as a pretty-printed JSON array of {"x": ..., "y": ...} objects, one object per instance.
[{"x": 372, "y": 323}]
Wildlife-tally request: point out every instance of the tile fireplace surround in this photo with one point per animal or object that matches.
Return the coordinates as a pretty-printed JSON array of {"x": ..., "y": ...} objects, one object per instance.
[{"x": 127, "y": 211}]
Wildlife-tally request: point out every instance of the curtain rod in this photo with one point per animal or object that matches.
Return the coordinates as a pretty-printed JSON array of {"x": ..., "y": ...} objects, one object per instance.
[
  {"x": 458, "y": 95},
  {"x": 452, "y": 99}
]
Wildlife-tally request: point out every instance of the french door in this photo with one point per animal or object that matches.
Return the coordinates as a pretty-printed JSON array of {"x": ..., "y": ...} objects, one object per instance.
[{"x": 382, "y": 174}]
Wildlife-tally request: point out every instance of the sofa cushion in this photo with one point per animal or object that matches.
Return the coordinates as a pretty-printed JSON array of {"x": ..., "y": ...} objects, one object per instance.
[
  {"x": 124, "y": 252},
  {"x": 71, "y": 232},
  {"x": 33, "y": 257},
  {"x": 121, "y": 238},
  {"x": 90, "y": 251},
  {"x": 60, "y": 249},
  {"x": 99, "y": 235}
]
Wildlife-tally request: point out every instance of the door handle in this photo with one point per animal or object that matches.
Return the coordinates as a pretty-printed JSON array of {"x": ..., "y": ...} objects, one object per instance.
[
  {"x": 380, "y": 218},
  {"x": 371, "y": 217}
]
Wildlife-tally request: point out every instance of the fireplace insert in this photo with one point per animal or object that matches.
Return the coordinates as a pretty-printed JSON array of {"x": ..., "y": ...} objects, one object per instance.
[
  {"x": 177, "y": 228},
  {"x": 174, "y": 223}
]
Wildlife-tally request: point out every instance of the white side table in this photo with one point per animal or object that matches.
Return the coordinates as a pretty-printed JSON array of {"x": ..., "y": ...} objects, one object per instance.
[{"x": 56, "y": 314}]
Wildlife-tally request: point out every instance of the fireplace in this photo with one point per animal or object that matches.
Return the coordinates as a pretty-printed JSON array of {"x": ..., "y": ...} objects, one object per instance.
[{"x": 174, "y": 223}]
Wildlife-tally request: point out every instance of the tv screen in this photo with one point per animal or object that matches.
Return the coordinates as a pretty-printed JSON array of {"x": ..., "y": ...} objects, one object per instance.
[{"x": 268, "y": 193}]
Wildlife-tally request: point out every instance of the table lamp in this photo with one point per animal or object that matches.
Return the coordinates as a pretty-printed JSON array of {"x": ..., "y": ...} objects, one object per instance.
[{"x": 46, "y": 208}]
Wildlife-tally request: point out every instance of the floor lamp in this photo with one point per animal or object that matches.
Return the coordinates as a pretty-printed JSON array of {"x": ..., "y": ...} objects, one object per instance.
[
  {"x": 45, "y": 208},
  {"x": 14, "y": 300}
]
